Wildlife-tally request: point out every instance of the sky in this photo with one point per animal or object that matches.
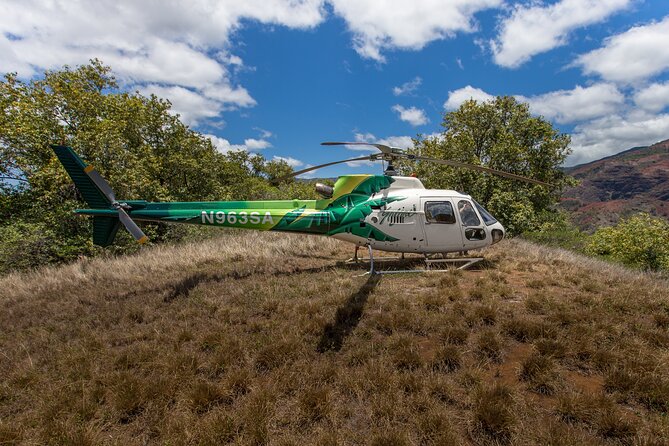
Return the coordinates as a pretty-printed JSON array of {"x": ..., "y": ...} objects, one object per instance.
[{"x": 280, "y": 76}]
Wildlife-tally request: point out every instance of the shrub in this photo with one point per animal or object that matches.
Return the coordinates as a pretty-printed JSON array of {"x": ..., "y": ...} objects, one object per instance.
[{"x": 641, "y": 241}]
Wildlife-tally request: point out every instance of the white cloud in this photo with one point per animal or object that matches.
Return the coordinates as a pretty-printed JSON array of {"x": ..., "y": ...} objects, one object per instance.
[
  {"x": 292, "y": 162},
  {"x": 533, "y": 29},
  {"x": 578, "y": 104},
  {"x": 178, "y": 48},
  {"x": 362, "y": 163},
  {"x": 636, "y": 54},
  {"x": 653, "y": 98},
  {"x": 457, "y": 97},
  {"x": 250, "y": 144},
  {"x": 562, "y": 106},
  {"x": 190, "y": 104},
  {"x": 256, "y": 144},
  {"x": 378, "y": 25},
  {"x": 223, "y": 145},
  {"x": 403, "y": 142},
  {"x": 264, "y": 134},
  {"x": 408, "y": 87},
  {"x": 412, "y": 115},
  {"x": 612, "y": 134}
]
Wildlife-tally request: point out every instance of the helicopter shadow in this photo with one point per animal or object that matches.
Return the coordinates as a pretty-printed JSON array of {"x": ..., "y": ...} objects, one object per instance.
[
  {"x": 347, "y": 317},
  {"x": 183, "y": 287}
]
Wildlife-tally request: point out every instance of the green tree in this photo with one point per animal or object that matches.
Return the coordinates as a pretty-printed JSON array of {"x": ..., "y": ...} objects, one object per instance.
[
  {"x": 500, "y": 134},
  {"x": 137, "y": 144}
]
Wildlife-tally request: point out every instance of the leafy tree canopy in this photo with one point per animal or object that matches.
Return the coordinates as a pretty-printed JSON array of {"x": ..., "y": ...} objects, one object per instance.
[
  {"x": 500, "y": 134},
  {"x": 143, "y": 150}
]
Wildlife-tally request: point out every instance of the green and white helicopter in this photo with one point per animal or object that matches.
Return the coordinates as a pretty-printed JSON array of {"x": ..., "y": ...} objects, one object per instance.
[{"x": 383, "y": 212}]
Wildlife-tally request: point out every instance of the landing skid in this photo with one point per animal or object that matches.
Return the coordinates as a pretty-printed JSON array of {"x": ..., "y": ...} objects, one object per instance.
[{"x": 457, "y": 262}]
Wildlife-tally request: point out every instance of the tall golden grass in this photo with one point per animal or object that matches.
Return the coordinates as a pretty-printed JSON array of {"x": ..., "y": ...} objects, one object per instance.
[{"x": 265, "y": 338}]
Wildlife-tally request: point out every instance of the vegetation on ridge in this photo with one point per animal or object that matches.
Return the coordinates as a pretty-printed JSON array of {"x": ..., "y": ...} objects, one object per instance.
[{"x": 136, "y": 143}]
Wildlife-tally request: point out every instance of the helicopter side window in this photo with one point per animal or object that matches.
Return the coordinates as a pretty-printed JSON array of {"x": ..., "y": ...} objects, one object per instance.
[
  {"x": 439, "y": 212},
  {"x": 467, "y": 214}
]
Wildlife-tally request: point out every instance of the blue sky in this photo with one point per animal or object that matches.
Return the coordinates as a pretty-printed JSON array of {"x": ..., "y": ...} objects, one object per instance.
[{"x": 279, "y": 77}]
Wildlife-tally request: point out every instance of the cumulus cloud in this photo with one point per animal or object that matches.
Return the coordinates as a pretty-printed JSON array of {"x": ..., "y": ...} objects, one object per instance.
[
  {"x": 191, "y": 105},
  {"x": 168, "y": 47},
  {"x": 562, "y": 106},
  {"x": 577, "y": 104},
  {"x": 412, "y": 115},
  {"x": 636, "y": 54},
  {"x": 403, "y": 142},
  {"x": 250, "y": 144},
  {"x": 457, "y": 97},
  {"x": 408, "y": 87},
  {"x": 612, "y": 134},
  {"x": 292, "y": 162},
  {"x": 653, "y": 98},
  {"x": 533, "y": 29},
  {"x": 256, "y": 144},
  {"x": 379, "y": 25}
]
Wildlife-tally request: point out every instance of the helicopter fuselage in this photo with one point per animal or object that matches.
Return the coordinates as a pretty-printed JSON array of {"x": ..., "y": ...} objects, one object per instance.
[{"x": 387, "y": 213}]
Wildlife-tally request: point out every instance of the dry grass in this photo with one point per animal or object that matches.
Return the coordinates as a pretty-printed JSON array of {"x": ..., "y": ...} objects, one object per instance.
[{"x": 267, "y": 339}]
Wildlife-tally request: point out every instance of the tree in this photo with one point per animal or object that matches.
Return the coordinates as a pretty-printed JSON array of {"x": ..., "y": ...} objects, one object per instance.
[
  {"x": 500, "y": 134},
  {"x": 137, "y": 144}
]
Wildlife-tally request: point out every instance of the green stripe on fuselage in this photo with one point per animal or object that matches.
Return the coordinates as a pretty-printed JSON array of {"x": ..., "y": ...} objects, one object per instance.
[{"x": 345, "y": 212}]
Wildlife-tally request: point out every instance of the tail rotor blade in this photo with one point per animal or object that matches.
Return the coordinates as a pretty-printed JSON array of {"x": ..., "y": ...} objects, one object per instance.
[
  {"x": 131, "y": 226},
  {"x": 100, "y": 182}
]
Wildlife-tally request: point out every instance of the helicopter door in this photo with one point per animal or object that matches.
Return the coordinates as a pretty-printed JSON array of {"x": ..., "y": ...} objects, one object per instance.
[
  {"x": 473, "y": 230},
  {"x": 442, "y": 232}
]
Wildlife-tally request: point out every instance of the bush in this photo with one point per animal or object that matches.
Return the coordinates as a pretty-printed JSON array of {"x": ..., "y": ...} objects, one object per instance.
[
  {"x": 28, "y": 245},
  {"x": 640, "y": 241}
]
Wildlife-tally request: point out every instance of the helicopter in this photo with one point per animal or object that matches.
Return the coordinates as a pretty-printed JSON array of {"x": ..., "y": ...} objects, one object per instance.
[{"x": 381, "y": 212}]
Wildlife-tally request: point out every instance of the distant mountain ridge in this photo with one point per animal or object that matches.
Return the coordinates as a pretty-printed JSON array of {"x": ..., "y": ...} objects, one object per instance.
[{"x": 636, "y": 180}]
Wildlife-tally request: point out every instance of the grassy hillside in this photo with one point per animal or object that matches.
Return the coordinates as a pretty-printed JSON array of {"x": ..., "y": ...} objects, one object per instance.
[{"x": 266, "y": 339}]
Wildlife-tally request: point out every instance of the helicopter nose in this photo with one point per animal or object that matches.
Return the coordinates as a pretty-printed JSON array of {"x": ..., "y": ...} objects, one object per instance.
[{"x": 497, "y": 233}]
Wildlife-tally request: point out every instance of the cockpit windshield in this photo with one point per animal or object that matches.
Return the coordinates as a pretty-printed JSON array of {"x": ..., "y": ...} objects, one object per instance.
[{"x": 485, "y": 215}]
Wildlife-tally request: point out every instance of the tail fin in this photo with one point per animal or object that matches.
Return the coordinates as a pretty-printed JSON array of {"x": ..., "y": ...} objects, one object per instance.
[
  {"x": 99, "y": 195},
  {"x": 104, "y": 230},
  {"x": 75, "y": 167}
]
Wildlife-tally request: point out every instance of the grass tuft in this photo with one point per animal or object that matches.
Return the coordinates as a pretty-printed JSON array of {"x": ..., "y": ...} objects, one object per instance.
[
  {"x": 489, "y": 345},
  {"x": 524, "y": 329},
  {"x": 493, "y": 413},
  {"x": 540, "y": 374},
  {"x": 447, "y": 359}
]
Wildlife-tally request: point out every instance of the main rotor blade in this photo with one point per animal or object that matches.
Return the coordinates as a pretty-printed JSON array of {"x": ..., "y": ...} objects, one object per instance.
[
  {"x": 131, "y": 226},
  {"x": 100, "y": 182},
  {"x": 500, "y": 173},
  {"x": 309, "y": 169},
  {"x": 382, "y": 147}
]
